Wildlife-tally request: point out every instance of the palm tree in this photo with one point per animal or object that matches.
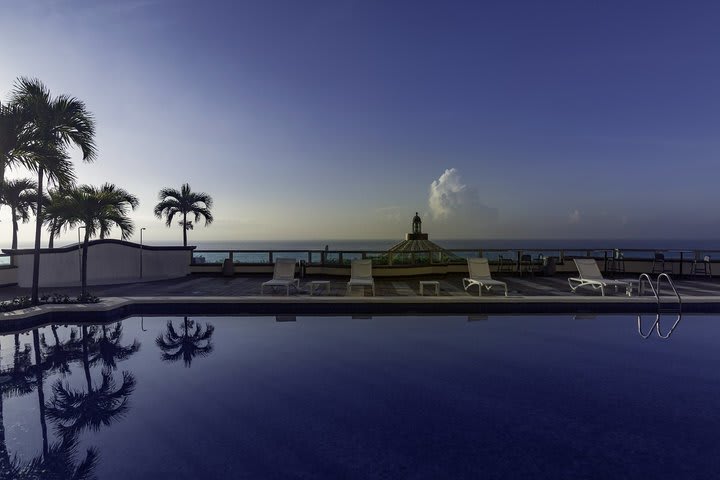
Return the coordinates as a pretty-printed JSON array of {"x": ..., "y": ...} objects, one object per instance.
[
  {"x": 52, "y": 211},
  {"x": 98, "y": 210},
  {"x": 184, "y": 202},
  {"x": 53, "y": 124},
  {"x": 19, "y": 195},
  {"x": 14, "y": 138},
  {"x": 187, "y": 344}
]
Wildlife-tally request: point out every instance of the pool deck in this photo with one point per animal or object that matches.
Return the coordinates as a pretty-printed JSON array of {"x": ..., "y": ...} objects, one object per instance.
[{"x": 216, "y": 295}]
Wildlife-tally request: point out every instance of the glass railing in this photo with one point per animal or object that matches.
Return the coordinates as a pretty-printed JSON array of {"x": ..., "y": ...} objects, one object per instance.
[
  {"x": 5, "y": 260},
  {"x": 509, "y": 258}
]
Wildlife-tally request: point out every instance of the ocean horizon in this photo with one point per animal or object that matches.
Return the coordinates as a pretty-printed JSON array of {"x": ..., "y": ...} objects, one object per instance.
[{"x": 462, "y": 244}]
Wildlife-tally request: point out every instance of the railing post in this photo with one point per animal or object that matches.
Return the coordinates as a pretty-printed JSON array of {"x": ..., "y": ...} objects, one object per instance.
[
  {"x": 270, "y": 257},
  {"x": 390, "y": 258},
  {"x": 230, "y": 256},
  {"x": 340, "y": 258}
]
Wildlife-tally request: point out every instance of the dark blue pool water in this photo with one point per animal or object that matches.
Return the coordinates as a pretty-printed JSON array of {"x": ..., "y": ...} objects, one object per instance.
[{"x": 383, "y": 397}]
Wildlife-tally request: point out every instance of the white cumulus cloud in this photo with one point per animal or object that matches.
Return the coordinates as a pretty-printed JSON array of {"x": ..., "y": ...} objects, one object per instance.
[
  {"x": 452, "y": 202},
  {"x": 447, "y": 194}
]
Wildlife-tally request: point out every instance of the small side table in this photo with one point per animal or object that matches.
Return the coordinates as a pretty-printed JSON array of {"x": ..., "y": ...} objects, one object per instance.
[
  {"x": 316, "y": 284},
  {"x": 430, "y": 283}
]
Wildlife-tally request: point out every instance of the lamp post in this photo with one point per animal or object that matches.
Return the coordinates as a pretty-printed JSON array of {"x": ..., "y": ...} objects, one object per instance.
[
  {"x": 141, "y": 251},
  {"x": 79, "y": 256}
]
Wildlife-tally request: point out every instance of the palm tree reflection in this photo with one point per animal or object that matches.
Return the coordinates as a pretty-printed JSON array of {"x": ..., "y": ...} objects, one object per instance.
[
  {"x": 74, "y": 410},
  {"x": 15, "y": 381},
  {"x": 193, "y": 341},
  {"x": 59, "y": 355},
  {"x": 106, "y": 347},
  {"x": 57, "y": 463}
]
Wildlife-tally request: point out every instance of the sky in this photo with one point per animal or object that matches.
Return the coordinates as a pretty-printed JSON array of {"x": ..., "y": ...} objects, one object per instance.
[{"x": 339, "y": 119}]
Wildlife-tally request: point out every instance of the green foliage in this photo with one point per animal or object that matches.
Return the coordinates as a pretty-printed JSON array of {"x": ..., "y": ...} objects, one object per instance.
[{"x": 19, "y": 303}]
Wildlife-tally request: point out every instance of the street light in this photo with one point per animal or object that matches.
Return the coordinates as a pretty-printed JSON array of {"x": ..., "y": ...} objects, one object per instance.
[
  {"x": 79, "y": 255},
  {"x": 141, "y": 251}
]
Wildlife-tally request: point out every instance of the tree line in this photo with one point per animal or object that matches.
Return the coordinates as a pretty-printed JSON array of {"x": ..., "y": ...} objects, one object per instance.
[{"x": 37, "y": 131}]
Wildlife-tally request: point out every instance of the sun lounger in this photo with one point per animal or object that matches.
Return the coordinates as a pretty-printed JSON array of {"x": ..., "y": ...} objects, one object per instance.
[
  {"x": 589, "y": 275},
  {"x": 361, "y": 275},
  {"x": 283, "y": 275},
  {"x": 479, "y": 274}
]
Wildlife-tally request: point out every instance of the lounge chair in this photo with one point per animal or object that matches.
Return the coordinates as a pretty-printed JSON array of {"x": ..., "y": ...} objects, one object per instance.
[
  {"x": 590, "y": 275},
  {"x": 283, "y": 275},
  {"x": 479, "y": 274},
  {"x": 361, "y": 275}
]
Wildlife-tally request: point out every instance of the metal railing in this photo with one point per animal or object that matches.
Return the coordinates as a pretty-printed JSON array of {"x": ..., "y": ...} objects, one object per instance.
[{"x": 496, "y": 256}]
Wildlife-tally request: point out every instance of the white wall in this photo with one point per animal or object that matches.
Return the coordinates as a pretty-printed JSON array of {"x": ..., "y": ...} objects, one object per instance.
[
  {"x": 109, "y": 262},
  {"x": 8, "y": 275}
]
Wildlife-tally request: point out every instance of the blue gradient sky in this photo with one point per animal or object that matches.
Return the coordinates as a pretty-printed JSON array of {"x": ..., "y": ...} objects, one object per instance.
[{"x": 333, "y": 119}]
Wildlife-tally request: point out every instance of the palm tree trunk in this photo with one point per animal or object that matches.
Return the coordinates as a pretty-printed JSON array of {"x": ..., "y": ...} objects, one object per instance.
[
  {"x": 38, "y": 233},
  {"x": 184, "y": 229},
  {"x": 84, "y": 262},
  {"x": 4, "y": 456},
  {"x": 41, "y": 392},
  {"x": 86, "y": 359},
  {"x": 51, "y": 241},
  {"x": 14, "y": 227}
]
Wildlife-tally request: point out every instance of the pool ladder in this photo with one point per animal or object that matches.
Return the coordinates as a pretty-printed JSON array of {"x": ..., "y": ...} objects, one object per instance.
[{"x": 656, "y": 293}]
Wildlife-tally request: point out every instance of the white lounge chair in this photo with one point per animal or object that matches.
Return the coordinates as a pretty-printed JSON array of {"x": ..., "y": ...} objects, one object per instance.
[
  {"x": 283, "y": 276},
  {"x": 479, "y": 274},
  {"x": 590, "y": 276},
  {"x": 361, "y": 275}
]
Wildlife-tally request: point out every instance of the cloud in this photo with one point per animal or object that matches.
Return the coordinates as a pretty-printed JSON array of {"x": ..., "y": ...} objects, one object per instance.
[
  {"x": 447, "y": 194},
  {"x": 574, "y": 217},
  {"x": 453, "y": 202}
]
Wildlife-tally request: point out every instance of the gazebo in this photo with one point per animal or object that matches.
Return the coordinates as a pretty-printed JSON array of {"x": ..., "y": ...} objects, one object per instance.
[{"x": 416, "y": 248}]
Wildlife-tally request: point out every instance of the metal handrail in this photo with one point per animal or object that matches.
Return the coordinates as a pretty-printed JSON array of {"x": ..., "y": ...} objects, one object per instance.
[
  {"x": 672, "y": 285},
  {"x": 649, "y": 282}
]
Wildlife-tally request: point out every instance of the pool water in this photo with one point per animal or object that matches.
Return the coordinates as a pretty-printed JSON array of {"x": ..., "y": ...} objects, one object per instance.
[{"x": 382, "y": 397}]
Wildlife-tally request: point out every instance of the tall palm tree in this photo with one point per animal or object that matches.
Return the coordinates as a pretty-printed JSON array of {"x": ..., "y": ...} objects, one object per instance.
[
  {"x": 98, "y": 210},
  {"x": 54, "y": 124},
  {"x": 52, "y": 211},
  {"x": 186, "y": 344},
  {"x": 19, "y": 195},
  {"x": 184, "y": 202},
  {"x": 14, "y": 138}
]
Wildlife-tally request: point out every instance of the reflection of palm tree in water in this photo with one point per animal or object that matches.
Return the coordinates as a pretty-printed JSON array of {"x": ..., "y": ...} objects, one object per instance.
[
  {"x": 187, "y": 344},
  {"x": 106, "y": 347},
  {"x": 59, "y": 355},
  {"x": 75, "y": 410},
  {"x": 56, "y": 461},
  {"x": 15, "y": 381}
]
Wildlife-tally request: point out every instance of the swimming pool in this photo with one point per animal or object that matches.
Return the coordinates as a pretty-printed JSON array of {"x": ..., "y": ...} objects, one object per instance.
[{"x": 381, "y": 397}]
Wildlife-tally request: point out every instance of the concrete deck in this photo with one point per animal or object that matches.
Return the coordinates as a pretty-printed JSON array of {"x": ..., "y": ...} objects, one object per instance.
[{"x": 215, "y": 295}]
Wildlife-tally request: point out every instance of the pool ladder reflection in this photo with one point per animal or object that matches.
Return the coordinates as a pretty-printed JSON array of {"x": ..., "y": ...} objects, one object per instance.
[{"x": 645, "y": 278}]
